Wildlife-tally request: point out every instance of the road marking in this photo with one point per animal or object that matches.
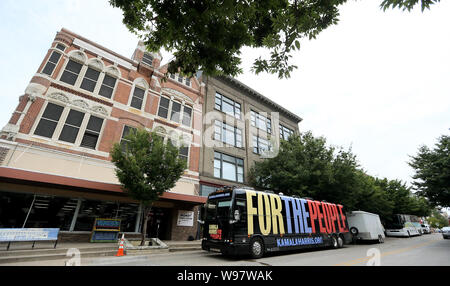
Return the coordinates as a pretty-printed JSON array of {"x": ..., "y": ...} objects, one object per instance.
[{"x": 363, "y": 259}]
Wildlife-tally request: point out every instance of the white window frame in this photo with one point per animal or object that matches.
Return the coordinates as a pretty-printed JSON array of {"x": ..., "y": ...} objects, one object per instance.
[
  {"x": 61, "y": 122},
  {"x": 142, "y": 84},
  {"x": 169, "y": 110}
]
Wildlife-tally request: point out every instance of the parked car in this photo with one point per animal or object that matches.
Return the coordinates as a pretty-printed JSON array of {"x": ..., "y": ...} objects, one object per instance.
[
  {"x": 445, "y": 232},
  {"x": 365, "y": 226},
  {"x": 426, "y": 229}
]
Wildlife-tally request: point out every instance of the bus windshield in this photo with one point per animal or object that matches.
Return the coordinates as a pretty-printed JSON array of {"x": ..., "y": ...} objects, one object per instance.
[{"x": 218, "y": 209}]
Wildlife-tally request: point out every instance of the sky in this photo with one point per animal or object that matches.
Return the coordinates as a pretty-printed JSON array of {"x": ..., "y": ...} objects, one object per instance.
[{"x": 378, "y": 82}]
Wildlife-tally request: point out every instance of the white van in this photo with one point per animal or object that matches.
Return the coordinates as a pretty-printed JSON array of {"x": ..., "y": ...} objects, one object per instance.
[{"x": 365, "y": 226}]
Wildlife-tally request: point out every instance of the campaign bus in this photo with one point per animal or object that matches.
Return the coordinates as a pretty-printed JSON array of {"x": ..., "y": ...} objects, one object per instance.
[{"x": 244, "y": 221}]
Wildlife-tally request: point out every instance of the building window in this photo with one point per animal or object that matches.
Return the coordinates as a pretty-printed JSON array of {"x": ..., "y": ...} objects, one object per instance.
[
  {"x": 228, "y": 167},
  {"x": 90, "y": 210},
  {"x": 224, "y": 104},
  {"x": 178, "y": 111},
  {"x": 184, "y": 154},
  {"x": 107, "y": 87},
  {"x": 71, "y": 72},
  {"x": 90, "y": 79},
  {"x": 261, "y": 145},
  {"x": 138, "y": 97},
  {"x": 261, "y": 122},
  {"x": 125, "y": 132},
  {"x": 51, "y": 63},
  {"x": 60, "y": 47},
  {"x": 92, "y": 133},
  {"x": 183, "y": 149},
  {"x": 163, "y": 107},
  {"x": 187, "y": 114},
  {"x": 147, "y": 59},
  {"x": 71, "y": 127},
  {"x": 227, "y": 134},
  {"x": 205, "y": 190},
  {"x": 285, "y": 132},
  {"x": 49, "y": 120},
  {"x": 181, "y": 79}
]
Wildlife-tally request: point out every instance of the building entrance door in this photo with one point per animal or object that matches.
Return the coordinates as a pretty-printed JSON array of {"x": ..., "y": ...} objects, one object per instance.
[{"x": 159, "y": 223}]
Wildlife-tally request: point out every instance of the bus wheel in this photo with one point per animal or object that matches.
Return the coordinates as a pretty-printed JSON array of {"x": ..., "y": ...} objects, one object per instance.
[
  {"x": 334, "y": 242},
  {"x": 340, "y": 241},
  {"x": 256, "y": 248}
]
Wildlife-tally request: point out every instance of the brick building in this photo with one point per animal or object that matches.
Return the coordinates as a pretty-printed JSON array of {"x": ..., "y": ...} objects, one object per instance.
[
  {"x": 240, "y": 127},
  {"x": 55, "y": 168}
]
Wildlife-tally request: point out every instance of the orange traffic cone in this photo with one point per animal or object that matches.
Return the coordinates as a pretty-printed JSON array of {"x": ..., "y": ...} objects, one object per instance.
[{"x": 120, "y": 251}]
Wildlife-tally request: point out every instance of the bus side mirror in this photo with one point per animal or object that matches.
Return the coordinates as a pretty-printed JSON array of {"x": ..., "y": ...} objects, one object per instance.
[{"x": 237, "y": 215}]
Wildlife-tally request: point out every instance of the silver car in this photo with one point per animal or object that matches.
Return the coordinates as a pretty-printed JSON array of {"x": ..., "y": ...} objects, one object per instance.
[{"x": 446, "y": 232}]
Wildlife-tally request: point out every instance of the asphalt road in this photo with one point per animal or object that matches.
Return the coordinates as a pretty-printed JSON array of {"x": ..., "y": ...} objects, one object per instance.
[{"x": 426, "y": 250}]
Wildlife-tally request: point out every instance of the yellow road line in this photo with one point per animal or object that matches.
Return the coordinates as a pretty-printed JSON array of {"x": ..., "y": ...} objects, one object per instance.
[{"x": 363, "y": 259}]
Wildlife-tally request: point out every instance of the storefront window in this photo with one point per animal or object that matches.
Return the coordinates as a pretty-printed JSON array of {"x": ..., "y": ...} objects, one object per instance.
[
  {"x": 49, "y": 211},
  {"x": 90, "y": 210},
  {"x": 46, "y": 211},
  {"x": 14, "y": 208}
]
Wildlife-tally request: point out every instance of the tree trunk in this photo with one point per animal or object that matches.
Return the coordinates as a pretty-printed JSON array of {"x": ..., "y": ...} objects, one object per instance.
[{"x": 146, "y": 211}]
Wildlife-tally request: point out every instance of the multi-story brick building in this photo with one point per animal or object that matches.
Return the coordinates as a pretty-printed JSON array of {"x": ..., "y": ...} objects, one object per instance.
[
  {"x": 55, "y": 168},
  {"x": 240, "y": 127}
]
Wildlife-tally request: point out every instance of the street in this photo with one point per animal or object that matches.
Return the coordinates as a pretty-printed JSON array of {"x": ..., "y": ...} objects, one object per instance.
[{"x": 426, "y": 250}]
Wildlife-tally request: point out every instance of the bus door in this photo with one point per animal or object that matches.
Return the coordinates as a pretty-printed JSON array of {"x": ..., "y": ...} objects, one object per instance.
[{"x": 217, "y": 225}]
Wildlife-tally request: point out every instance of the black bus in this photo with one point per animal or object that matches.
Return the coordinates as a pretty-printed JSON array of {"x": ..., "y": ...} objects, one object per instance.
[{"x": 244, "y": 221}]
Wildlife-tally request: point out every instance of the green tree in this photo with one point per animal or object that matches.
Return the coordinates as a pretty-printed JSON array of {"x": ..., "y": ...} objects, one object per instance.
[
  {"x": 209, "y": 35},
  {"x": 432, "y": 172},
  {"x": 407, "y": 4},
  {"x": 402, "y": 199},
  {"x": 437, "y": 220},
  {"x": 307, "y": 167},
  {"x": 146, "y": 168}
]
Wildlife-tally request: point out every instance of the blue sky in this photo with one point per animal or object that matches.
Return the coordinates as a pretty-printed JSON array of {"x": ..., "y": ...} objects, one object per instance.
[{"x": 377, "y": 81}]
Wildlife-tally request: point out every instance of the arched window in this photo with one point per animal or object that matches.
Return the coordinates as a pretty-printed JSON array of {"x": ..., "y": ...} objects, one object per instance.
[
  {"x": 112, "y": 73},
  {"x": 73, "y": 67},
  {"x": 53, "y": 59},
  {"x": 91, "y": 76},
  {"x": 138, "y": 93}
]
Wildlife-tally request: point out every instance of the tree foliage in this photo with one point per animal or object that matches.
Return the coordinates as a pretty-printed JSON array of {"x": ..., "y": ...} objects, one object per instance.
[
  {"x": 432, "y": 172},
  {"x": 436, "y": 219},
  {"x": 307, "y": 167},
  {"x": 146, "y": 167},
  {"x": 209, "y": 35},
  {"x": 407, "y": 4}
]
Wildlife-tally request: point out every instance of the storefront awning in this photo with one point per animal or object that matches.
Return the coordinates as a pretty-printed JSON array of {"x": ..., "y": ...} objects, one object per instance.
[{"x": 12, "y": 175}]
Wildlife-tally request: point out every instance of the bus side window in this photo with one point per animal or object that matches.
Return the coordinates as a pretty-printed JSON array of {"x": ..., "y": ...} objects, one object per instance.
[{"x": 241, "y": 205}]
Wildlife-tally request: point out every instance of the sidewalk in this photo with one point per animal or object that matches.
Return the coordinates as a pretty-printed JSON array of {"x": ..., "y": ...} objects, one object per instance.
[{"x": 84, "y": 253}]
